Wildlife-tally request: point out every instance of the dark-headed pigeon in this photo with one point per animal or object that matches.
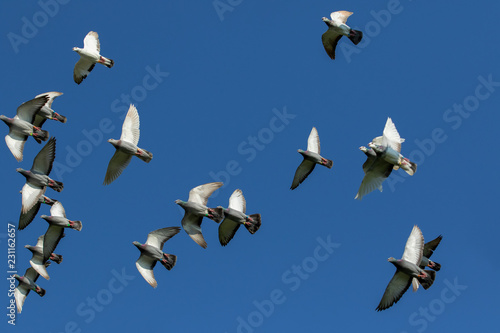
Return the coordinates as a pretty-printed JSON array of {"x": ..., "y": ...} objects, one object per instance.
[
  {"x": 57, "y": 222},
  {"x": 406, "y": 269},
  {"x": 38, "y": 260},
  {"x": 234, "y": 216},
  {"x": 195, "y": 209},
  {"x": 89, "y": 56},
  {"x": 37, "y": 179},
  {"x": 152, "y": 251},
  {"x": 337, "y": 28},
  {"x": 21, "y": 126},
  {"x": 126, "y": 147},
  {"x": 46, "y": 111},
  {"x": 27, "y": 283},
  {"x": 311, "y": 158}
]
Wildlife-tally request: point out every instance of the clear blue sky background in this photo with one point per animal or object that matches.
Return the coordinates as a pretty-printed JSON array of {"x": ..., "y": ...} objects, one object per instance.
[{"x": 225, "y": 79}]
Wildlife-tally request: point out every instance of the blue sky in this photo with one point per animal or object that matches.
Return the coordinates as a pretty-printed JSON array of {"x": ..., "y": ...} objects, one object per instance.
[{"x": 256, "y": 71}]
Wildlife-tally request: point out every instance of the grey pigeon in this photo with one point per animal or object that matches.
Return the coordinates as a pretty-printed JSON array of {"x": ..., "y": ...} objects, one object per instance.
[
  {"x": 377, "y": 168},
  {"x": 311, "y": 158},
  {"x": 126, "y": 147},
  {"x": 57, "y": 222},
  {"x": 37, "y": 179},
  {"x": 38, "y": 260},
  {"x": 152, "y": 251},
  {"x": 27, "y": 283},
  {"x": 234, "y": 216},
  {"x": 46, "y": 111},
  {"x": 429, "y": 248},
  {"x": 388, "y": 147},
  {"x": 406, "y": 269},
  {"x": 89, "y": 56},
  {"x": 195, "y": 209},
  {"x": 26, "y": 218},
  {"x": 21, "y": 126},
  {"x": 337, "y": 28}
]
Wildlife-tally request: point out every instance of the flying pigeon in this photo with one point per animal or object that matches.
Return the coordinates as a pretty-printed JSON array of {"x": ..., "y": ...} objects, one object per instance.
[
  {"x": 382, "y": 157},
  {"x": 57, "y": 222},
  {"x": 89, "y": 56},
  {"x": 46, "y": 111},
  {"x": 26, "y": 218},
  {"x": 311, "y": 158},
  {"x": 38, "y": 260},
  {"x": 406, "y": 269},
  {"x": 21, "y": 126},
  {"x": 195, "y": 209},
  {"x": 337, "y": 28},
  {"x": 126, "y": 147},
  {"x": 429, "y": 248},
  {"x": 152, "y": 251},
  {"x": 27, "y": 283},
  {"x": 388, "y": 147},
  {"x": 38, "y": 177},
  {"x": 234, "y": 216}
]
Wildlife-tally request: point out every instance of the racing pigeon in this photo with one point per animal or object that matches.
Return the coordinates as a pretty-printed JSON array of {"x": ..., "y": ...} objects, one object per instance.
[
  {"x": 126, "y": 147},
  {"x": 152, "y": 251},
  {"x": 21, "y": 126},
  {"x": 311, "y": 158},
  {"x": 234, "y": 216},
  {"x": 195, "y": 209},
  {"x": 38, "y": 260},
  {"x": 46, "y": 111},
  {"x": 38, "y": 177},
  {"x": 337, "y": 28},
  {"x": 406, "y": 269},
  {"x": 89, "y": 56},
  {"x": 27, "y": 283}
]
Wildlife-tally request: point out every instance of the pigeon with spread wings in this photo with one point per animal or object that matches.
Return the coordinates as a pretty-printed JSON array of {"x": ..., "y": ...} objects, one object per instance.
[
  {"x": 89, "y": 56},
  {"x": 337, "y": 28}
]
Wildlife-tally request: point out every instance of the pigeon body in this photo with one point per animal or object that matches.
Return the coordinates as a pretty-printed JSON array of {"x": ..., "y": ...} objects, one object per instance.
[
  {"x": 21, "y": 126},
  {"x": 37, "y": 178},
  {"x": 57, "y": 223},
  {"x": 311, "y": 158},
  {"x": 26, "y": 218},
  {"x": 26, "y": 284},
  {"x": 126, "y": 147},
  {"x": 337, "y": 28},
  {"x": 406, "y": 269},
  {"x": 151, "y": 252},
  {"x": 234, "y": 216},
  {"x": 89, "y": 56},
  {"x": 46, "y": 111},
  {"x": 38, "y": 260},
  {"x": 195, "y": 209}
]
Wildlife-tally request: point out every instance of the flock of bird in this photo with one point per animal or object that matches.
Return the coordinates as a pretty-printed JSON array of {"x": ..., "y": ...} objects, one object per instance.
[{"x": 383, "y": 156}]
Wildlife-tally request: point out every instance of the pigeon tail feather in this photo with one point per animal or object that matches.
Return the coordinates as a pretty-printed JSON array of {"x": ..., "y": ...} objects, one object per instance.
[
  {"x": 146, "y": 156},
  {"x": 107, "y": 62},
  {"x": 40, "y": 135},
  {"x": 170, "y": 261},
  {"x": 40, "y": 292},
  {"x": 428, "y": 280},
  {"x": 60, "y": 118},
  {"x": 57, "y": 186},
  {"x": 217, "y": 214},
  {"x": 355, "y": 36},
  {"x": 329, "y": 163},
  {"x": 434, "y": 265},
  {"x": 57, "y": 258},
  {"x": 77, "y": 225},
  {"x": 253, "y": 224}
]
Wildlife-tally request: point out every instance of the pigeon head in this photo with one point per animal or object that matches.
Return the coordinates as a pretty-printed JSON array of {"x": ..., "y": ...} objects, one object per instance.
[
  {"x": 45, "y": 217},
  {"x": 76, "y": 49},
  {"x": 327, "y": 21},
  {"x": 179, "y": 202},
  {"x": 392, "y": 259},
  {"x": 22, "y": 171},
  {"x": 377, "y": 148},
  {"x": 5, "y": 119},
  {"x": 363, "y": 149},
  {"x": 18, "y": 278},
  {"x": 29, "y": 247},
  {"x": 136, "y": 243},
  {"x": 302, "y": 152},
  {"x": 114, "y": 142}
]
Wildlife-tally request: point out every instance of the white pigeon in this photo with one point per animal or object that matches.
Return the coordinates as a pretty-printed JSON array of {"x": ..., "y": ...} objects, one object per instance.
[
  {"x": 126, "y": 147},
  {"x": 89, "y": 56},
  {"x": 337, "y": 28}
]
